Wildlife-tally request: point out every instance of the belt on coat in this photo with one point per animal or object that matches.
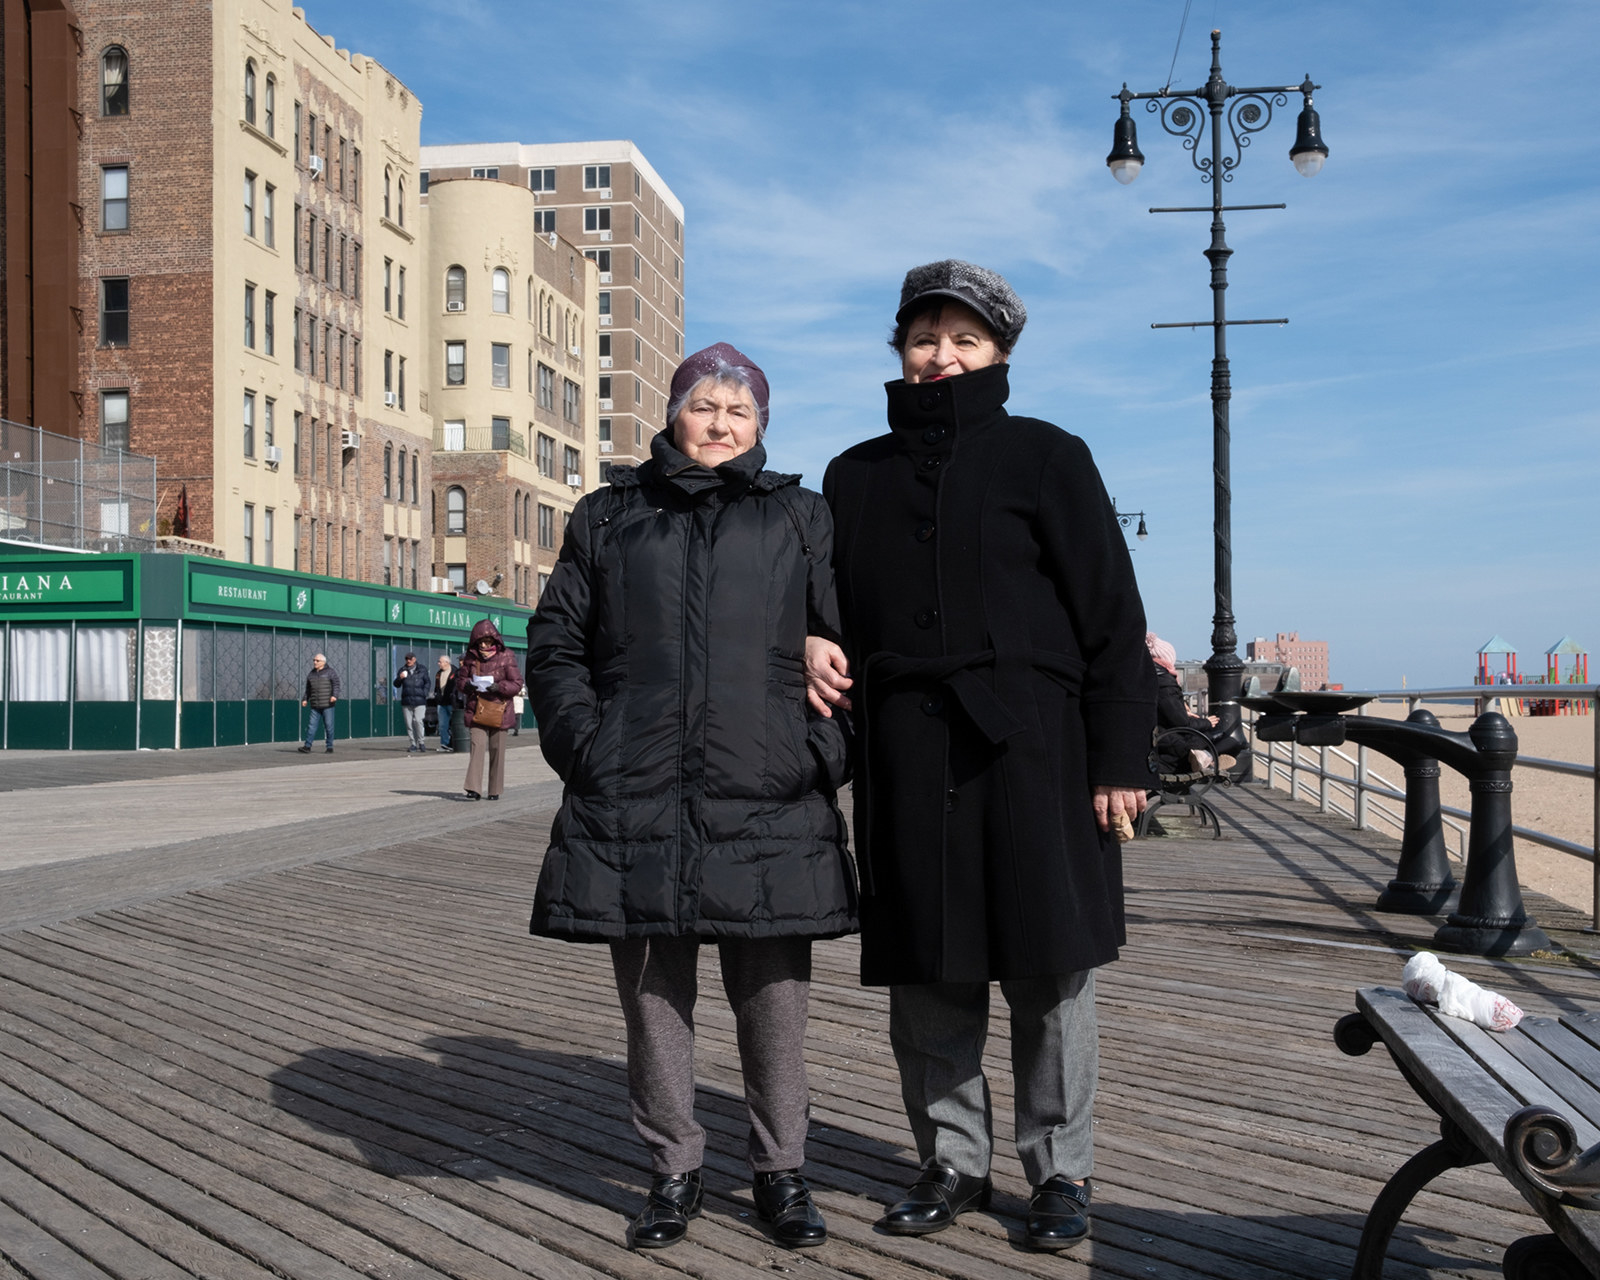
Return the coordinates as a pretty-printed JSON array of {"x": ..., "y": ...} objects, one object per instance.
[{"x": 989, "y": 705}]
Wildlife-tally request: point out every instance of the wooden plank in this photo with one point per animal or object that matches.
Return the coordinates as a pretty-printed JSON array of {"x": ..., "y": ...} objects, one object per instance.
[{"x": 38, "y": 1253}]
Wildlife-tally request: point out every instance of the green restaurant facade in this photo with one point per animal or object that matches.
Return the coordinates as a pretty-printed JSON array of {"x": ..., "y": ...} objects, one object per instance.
[{"x": 158, "y": 651}]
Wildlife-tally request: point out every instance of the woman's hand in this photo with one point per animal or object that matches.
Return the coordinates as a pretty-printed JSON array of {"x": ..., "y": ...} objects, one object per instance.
[
  {"x": 827, "y": 675},
  {"x": 1109, "y": 801}
]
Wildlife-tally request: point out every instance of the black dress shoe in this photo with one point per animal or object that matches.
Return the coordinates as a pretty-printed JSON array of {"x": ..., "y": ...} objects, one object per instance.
[
  {"x": 935, "y": 1198},
  {"x": 1057, "y": 1214},
  {"x": 473, "y": 795},
  {"x": 664, "y": 1220},
  {"x": 783, "y": 1201}
]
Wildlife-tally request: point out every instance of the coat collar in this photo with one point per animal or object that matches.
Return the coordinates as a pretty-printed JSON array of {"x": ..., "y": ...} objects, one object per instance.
[
  {"x": 926, "y": 417},
  {"x": 670, "y": 466}
]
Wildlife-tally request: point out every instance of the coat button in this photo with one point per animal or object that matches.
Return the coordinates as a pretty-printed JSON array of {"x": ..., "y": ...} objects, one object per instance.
[
  {"x": 929, "y": 400},
  {"x": 932, "y": 705},
  {"x": 952, "y": 798},
  {"x": 924, "y": 531},
  {"x": 933, "y": 435},
  {"x": 932, "y": 462},
  {"x": 926, "y": 618}
]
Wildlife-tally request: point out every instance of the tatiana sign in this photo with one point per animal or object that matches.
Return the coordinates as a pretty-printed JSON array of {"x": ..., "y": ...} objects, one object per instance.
[
  {"x": 441, "y": 615},
  {"x": 62, "y": 586},
  {"x": 238, "y": 593}
]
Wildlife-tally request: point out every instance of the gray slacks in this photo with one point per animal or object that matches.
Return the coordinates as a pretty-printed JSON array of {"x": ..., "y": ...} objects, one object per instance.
[
  {"x": 768, "y": 981},
  {"x": 938, "y": 1032},
  {"x": 490, "y": 743}
]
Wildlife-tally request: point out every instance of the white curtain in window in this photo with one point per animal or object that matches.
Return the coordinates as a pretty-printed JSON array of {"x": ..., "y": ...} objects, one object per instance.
[
  {"x": 105, "y": 664},
  {"x": 455, "y": 435},
  {"x": 161, "y": 663},
  {"x": 39, "y": 663}
]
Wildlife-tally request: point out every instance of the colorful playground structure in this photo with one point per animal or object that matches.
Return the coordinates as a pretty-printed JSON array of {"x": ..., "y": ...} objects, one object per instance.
[{"x": 1529, "y": 703}]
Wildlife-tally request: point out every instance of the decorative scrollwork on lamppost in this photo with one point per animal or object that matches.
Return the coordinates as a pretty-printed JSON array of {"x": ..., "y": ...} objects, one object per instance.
[
  {"x": 1183, "y": 114},
  {"x": 1126, "y": 521}
]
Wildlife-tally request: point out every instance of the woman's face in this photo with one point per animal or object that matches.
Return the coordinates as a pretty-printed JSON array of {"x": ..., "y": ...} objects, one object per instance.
[
  {"x": 718, "y": 421},
  {"x": 957, "y": 341},
  {"x": 485, "y": 648}
]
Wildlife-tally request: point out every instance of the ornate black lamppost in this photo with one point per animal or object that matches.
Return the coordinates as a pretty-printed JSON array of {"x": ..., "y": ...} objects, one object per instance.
[
  {"x": 1183, "y": 114},
  {"x": 1126, "y": 521}
]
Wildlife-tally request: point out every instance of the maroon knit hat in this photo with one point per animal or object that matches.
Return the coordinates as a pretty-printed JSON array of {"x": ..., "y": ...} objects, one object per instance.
[{"x": 702, "y": 364}]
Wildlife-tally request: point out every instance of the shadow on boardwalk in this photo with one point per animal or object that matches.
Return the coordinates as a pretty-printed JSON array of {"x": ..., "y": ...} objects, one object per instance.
[{"x": 361, "y": 1065}]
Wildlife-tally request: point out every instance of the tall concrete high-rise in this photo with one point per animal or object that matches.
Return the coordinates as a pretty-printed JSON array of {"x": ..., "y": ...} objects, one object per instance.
[{"x": 606, "y": 198}]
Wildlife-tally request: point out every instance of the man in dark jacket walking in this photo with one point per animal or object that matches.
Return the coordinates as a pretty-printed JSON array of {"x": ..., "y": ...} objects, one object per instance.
[
  {"x": 413, "y": 683},
  {"x": 1005, "y": 702},
  {"x": 321, "y": 693}
]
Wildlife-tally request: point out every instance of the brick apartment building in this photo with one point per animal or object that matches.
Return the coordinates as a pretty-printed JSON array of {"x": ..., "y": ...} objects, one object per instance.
[
  {"x": 606, "y": 198},
  {"x": 1310, "y": 657}
]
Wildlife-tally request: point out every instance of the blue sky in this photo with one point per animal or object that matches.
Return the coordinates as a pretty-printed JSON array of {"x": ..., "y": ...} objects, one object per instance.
[{"x": 1416, "y": 455}]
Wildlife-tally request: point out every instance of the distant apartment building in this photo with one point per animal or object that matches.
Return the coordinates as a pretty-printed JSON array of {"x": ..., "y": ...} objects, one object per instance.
[
  {"x": 607, "y": 199},
  {"x": 240, "y": 183},
  {"x": 511, "y": 308},
  {"x": 1309, "y": 657}
]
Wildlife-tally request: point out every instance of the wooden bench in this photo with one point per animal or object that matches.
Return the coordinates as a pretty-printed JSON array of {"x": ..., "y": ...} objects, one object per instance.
[
  {"x": 1528, "y": 1100},
  {"x": 1185, "y": 786}
]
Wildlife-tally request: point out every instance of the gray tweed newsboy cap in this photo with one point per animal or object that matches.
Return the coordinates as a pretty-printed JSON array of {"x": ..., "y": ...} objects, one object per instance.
[{"x": 985, "y": 291}]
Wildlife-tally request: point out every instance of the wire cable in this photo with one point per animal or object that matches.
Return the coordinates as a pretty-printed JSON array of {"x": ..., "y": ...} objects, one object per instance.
[{"x": 1181, "y": 25}]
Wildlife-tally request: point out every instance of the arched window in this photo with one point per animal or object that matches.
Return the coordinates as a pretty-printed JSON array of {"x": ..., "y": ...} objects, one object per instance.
[
  {"x": 530, "y": 297},
  {"x": 455, "y": 510},
  {"x": 550, "y": 316},
  {"x": 516, "y": 514},
  {"x": 400, "y": 494},
  {"x": 414, "y": 491},
  {"x": 269, "y": 105},
  {"x": 538, "y": 316},
  {"x": 400, "y": 200},
  {"x": 388, "y": 467},
  {"x": 249, "y": 91},
  {"x": 388, "y": 182},
  {"x": 502, "y": 291},
  {"x": 114, "y": 81},
  {"x": 455, "y": 289}
]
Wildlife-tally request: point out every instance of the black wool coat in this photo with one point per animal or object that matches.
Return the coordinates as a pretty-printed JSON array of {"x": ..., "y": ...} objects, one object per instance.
[
  {"x": 995, "y": 630},
  {"x": 666, "y": 669}
]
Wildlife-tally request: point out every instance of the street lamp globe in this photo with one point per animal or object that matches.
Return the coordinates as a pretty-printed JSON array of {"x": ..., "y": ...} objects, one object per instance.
[
  {"x": 1125, "y": 159},
  {"x": 1309, "y": 150}
]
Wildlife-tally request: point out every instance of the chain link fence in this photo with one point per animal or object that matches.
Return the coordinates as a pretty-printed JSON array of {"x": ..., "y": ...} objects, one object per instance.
[{"x": 62, "y": 492}]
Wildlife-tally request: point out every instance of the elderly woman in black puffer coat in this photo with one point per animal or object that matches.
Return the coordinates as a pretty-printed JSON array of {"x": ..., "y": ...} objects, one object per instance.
[{"x": 665, "y": 666}]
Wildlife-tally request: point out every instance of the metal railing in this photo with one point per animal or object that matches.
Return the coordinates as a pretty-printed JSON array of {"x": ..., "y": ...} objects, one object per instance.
[
  {"x": 62, "y": 492},
  {"x": 1363, "y": 789},
  {"x": 491, "y": 439}
]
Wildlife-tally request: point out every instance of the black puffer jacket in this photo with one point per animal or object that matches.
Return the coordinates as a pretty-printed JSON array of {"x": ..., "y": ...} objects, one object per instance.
[{"x": 665, "y": 666}]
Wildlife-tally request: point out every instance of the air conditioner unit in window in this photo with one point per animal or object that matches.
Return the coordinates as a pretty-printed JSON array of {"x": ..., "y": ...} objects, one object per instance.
[
  {"x": 443, "y": 585},
  {"x": 274, "y": 455},
  {"x": 350, "y": 440},
  {"x": 605, "y": 277},
  {"x": 605, "y": 362},
  {"x": 605, "y": 193},
  {"x": 605, "y": 319},
  {"x": 317, "y": 165},
  {"x": 390, "y": 399},
  {"x": 605, "y": 405},
  {"x": 577, "y": 350},
  {"x": 574, "y": 480},
  {"x": 552, "y": 239},
  {"x": 606, "y": 446},
  {"x": 455, "y": 306}
]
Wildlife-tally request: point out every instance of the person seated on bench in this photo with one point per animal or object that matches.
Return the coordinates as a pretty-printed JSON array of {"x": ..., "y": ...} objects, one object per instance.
[{"x": 1172, "y": 712}]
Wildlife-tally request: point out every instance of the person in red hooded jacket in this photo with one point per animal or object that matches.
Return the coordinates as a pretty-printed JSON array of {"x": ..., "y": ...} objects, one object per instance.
[{"x": 487, "y": 679}]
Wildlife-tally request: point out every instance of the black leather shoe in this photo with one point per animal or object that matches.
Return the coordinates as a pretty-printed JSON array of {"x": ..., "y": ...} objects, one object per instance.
[
  {"x": 783, "y": 1201},
  {"x": 664, "y": 1220},
  {"x": 935, "y": 1198},
  {"x": 1057, "y": 1214},
  {"x": 473, "y": 795}
]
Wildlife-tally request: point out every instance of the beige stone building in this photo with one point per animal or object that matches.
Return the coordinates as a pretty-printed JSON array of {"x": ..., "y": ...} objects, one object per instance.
[
  {"x": 511, "y": 310},
  {"x": 607, "y": 199},
  {"x": 250, "y": 189}
]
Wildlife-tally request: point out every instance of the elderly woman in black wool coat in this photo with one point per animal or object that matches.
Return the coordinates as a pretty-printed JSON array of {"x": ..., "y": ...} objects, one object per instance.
[
  {"x": 665, "y": 666},
  {"x": 1005, "y": 702}
]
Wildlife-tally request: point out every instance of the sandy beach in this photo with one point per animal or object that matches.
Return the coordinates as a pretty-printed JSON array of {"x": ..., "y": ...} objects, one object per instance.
[{"x": 1558, "y": 804}]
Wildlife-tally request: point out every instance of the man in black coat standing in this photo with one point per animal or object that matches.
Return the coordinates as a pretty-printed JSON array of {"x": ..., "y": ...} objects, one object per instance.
[
  {"x": 320, "y": 695},
  {"x": 1004, "y": 703}
]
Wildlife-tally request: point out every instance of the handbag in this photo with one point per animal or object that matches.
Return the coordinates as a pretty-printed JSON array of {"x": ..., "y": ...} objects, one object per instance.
[{"x": 489, "y": 713}]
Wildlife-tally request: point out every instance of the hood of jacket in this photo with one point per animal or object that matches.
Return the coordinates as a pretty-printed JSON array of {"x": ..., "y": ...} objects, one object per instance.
[{"x": 485, "y": 630}]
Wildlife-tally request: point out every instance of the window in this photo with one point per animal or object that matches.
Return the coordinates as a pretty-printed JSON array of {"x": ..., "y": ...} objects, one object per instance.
[
  {"x": 355, "y": 274},
  {"x": 400, "y": 297},
  {"x": 114, "y": 81},
  {"x": 415, "y": 492},
  {"x": 541, "y": 179},
  {"x": 571, "y": 401},
  {"x": 269, "y": 105},
  {"x": 544, "y": 221},
  {"x": 600, "y": 257},
  {"x": 269, "y": 412},
  {"x": 114, "y": 197},
  {"x": 388, "y": 559},
  {"x": 604, "y": 306},
  {"x": 571, "y": 464},
  {"x": 342, "y": 274},
  {"x": 516, "y": 516},
  {"x": 269, "y": 200},
  {"x": 355, "y": 175},
  {"x": 114, "y": 419},
  {"x": 638, "y": 434},
  {"x": 605, "y": 346},
  {"x": 249, "y": 424},
  {"x": 114, "y": 311},
  {"x": 544, "y": 453},
  {"x": 547, "y": 387},
  {"x": 455, "y": 513},
  {"x": 544, "y": 581},
  {"x": 342, "y": 363},
  {"x": 638, "y": 391},
  {"x": 501, "y": 301},
  {"x": 636, "y": 184},
  {"x": 249, "y": 91},
  {"x": 455, "y": 435},
  {"x": 491, "y": 171},
  {"x": 311, "y": 244},
  {"x": 422, "y": 183},
  {"x": 297, "y": 542},
  {"x": 355, "y": 367},
  {"x": 605, "y": 429},
  {"x": 299, "y": 422},
  {"x": 299, "y": 360},
  {"x": 400, "y": 385},
  {"x": 596, "y": 176},
  {"x": 327, "y": 352},
  {"x": 249, "y": 203},
  {"x": 249, "y": 315},
  {"x": 400, "y": 200},
  {"x": 268, "y": 306},
  {"x": 388, "y": 374},
  {"x": 388, "y": 467},
  {"x": 400, "y": 487},
  {"x": 327, "y": 253},
  {"x": 638, "y": 314},
  {"x": 388, "y": 187},
  {"x": 605, "y": 386},
  {"x": 299, "y": 126},
  {"x": 249, "y": 533},
  {"x": 675, "y": 229},
  {"x": 597, "y": 218},
  {"x": 388, "y": 284},
  {"x": 638, "y": 266},
  {"x": 499, "y": 364},
  {"x": 455, "y": 289},
  {"x": 638, "y": 347},
  {"x": 638, "y": 227},
  {"x": 455, "y": 364},
  {"x": 299, "y": 258},
  {"x": 500, "y": 433},
  {"x": 344, "y": 164},
  {"x": 547, "y": 526},
  {"x": 457, "y": 573}
]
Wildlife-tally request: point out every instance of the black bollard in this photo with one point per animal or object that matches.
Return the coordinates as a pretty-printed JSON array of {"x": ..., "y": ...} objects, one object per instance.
[
  {"x": 1490, "y": 919},
  {"x": 1423, "y": 883}
]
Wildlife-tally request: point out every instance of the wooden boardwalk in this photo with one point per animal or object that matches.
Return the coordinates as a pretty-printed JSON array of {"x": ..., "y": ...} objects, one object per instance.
[{"x": 354, "y": 1062}]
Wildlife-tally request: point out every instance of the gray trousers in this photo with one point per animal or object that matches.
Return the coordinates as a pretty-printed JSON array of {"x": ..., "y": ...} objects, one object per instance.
[
  {"x": 416, "y": 723},
  {"x": 768, "y": 981},
  {"x": 938, "y": 1032}
]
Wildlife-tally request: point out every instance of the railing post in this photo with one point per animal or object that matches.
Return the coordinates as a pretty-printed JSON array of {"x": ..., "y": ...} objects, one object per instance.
[
  {"x": 1324, "y": 790},
  {"x": 1594, "y": 719},
  {"x": 1362, "y": 817}
]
